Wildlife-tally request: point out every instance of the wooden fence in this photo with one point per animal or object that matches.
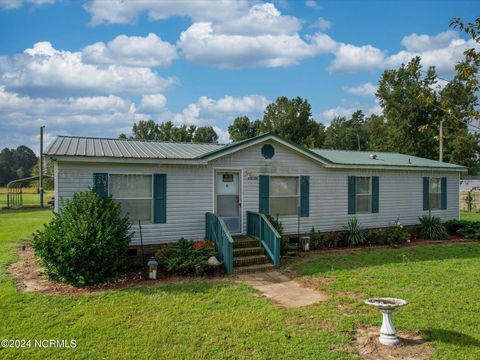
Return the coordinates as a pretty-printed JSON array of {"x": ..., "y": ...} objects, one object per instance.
[{"x": 470, "y": 201}]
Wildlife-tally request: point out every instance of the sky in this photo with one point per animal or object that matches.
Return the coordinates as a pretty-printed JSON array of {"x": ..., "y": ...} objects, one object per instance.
[{"x": 94, "y": 68}]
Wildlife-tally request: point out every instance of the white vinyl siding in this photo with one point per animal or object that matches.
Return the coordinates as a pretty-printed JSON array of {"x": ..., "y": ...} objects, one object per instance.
[{"x": 190, "y": 192}]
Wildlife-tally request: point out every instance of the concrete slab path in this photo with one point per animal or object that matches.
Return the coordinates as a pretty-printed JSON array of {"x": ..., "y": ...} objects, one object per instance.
[{"x": 282, "y": 290}]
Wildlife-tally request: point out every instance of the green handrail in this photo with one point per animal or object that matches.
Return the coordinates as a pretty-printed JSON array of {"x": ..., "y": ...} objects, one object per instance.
[
  {"x": 216, "y": 231},
  {"x": 259, "y": 227}
]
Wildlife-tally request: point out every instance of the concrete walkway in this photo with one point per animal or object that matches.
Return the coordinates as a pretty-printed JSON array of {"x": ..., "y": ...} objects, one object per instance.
[{"x": 282, "y": 290}]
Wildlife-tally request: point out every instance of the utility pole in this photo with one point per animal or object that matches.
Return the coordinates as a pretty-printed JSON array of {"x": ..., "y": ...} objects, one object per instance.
[
  {"x": 440, "y": 155},
  {"x": 41, "y": 166}
]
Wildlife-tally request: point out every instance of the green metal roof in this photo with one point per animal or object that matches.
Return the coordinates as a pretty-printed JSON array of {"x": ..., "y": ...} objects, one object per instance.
[{"x": 343, "y": 157}]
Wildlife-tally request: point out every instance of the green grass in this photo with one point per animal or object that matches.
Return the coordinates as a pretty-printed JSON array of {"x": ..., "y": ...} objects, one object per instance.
[
  {"x": 222, "y": 319},
  {"x": 470, "y": 216},
  {"x": 30, "y": 198}
]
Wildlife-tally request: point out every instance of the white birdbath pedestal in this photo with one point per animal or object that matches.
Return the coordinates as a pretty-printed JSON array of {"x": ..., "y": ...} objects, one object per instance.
[{"x": 388, "y": 333}]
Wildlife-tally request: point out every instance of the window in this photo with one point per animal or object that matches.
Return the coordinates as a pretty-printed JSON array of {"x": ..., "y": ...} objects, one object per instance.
[
  {"x": 134, "y": 194},
  {"x": 435, "y": 193},
  {"x": 363, "y": 194},
  {"x": 284, "y": 195}
]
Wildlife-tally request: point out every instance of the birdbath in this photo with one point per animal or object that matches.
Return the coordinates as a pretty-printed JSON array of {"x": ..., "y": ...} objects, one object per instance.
[{"x": 388, "y": 334}]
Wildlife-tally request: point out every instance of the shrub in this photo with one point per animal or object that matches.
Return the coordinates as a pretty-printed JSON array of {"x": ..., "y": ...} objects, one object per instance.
[
  {"x": 186, "y": 257},
  {"x": 316, "y": 239},
  {"x": 355, "y": 233},
  {"x": 454, "y": 225},
  {"x": 396, "y": 235},
  {"x": 377, "y": 237},
  {"x": 471, "y": 230},
  {"x": 277, "y": 224},
  {"x": 86, "y": 243},
  {"x": 432, "y": 228}
]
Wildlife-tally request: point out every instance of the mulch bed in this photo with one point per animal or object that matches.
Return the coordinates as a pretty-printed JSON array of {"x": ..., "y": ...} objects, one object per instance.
[{"x": 30, "y": 277}]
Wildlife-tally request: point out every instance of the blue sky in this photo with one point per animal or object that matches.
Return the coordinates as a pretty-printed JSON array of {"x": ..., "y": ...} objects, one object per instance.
[{"x": 93, "y": 68}]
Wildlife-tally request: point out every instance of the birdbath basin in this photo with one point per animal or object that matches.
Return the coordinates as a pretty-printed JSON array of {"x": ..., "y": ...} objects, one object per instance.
[{"x": 388, "y": 333}]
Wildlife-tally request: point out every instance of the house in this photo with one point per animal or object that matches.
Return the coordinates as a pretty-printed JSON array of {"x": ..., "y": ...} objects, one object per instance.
[
  {"x": 206, "y": 190},
  {"x": 470, "y": 183}
]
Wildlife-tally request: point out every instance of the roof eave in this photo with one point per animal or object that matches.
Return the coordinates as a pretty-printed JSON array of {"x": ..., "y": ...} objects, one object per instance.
[
  {"x": 125, "y": 160},
  {"x": 396, "y": 167}
]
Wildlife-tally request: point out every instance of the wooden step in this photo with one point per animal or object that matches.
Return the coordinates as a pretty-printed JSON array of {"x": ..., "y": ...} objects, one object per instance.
[
  {"x": 245, "y": 242},
  {"x": 254, "y": 268},
  {"x": 248, "y": 251},
  {"x": 250, "y": 260}
]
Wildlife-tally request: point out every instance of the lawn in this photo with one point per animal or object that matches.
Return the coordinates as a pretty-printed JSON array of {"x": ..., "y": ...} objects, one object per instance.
[
  {"x": 30, "y": 197},
  {"x": 470, "y": 216},
  {"x": 222, "y": 319}
]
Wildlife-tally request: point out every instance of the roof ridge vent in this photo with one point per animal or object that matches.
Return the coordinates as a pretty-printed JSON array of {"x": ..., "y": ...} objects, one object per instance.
[{"x": 373, "y": 156}]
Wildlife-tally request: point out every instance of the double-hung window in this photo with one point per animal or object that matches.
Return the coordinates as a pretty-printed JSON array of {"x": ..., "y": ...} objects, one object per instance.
[
  {"x": 284, "y": 195},
  {"x": 134, "y": 194},
  {"x": 363, "y": 194},
  {"x": 435, "y": 193}
]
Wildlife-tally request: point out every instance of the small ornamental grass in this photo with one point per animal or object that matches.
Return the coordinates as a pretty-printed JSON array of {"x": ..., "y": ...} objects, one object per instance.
[
  {"x": 355, "y": 233},
  {"x": 432, "y": 228},
  {"x": 86, "y": 243}
]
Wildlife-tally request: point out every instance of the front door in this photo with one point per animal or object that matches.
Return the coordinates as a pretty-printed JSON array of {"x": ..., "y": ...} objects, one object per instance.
[{"x": 227, "y": 199}]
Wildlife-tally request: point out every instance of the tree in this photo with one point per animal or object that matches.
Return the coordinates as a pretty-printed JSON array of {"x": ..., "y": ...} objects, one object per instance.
[
  {"x": 16, "y": 163},
  {"x": 412, "y": 123},
  {"x": 377, "y": 129},
  {"x": 292, "y": 119},
  {"x": 145, "y": 130},
  {"x": 205, "y": 134},
  {"x": 343, "y": 134},
  {"x": 243, "y": 128}
]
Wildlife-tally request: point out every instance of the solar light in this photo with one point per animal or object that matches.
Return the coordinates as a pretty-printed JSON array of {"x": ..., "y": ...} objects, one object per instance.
[{"x": 152, "y": 268}]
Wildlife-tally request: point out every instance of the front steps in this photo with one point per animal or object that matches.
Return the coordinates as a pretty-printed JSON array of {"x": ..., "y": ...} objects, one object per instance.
[{"x": 249, "y": 256}]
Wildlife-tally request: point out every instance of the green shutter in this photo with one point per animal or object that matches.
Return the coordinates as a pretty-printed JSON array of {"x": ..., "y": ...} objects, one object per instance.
[
  {"x": 444, "y": 193},
  {"x": 100, "y": 184},
  {"x": 304, "y": 196},
  {"x": 264, "y": 194},
  {"x": 375, "y": 194},
  {"x": 426, "y": 190},
  {"x": 352, "y": 194},
  {"x": 159, "y": 198}
]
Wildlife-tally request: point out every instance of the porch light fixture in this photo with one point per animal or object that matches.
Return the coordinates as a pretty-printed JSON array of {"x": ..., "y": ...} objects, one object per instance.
[{"x": 152, "y": 268}]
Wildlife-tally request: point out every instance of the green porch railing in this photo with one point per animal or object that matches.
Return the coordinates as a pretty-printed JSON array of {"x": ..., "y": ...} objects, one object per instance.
[
  {"x": 259, "y": 227},
  {"x": 216, "y": 231}
]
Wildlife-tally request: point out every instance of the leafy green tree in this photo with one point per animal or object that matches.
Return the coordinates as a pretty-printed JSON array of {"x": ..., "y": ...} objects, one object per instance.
[
  {"x": 16, "y": 163},
  {"x": 412, "y": 123},
  {"x": 343, "y": 134},
  {"x": 292, "y": 119},
  {"x": 243, "y": 128},
  {"x": 205, "y": 134},
  {"x": 377, "y": 129},
  {"x": 145, "y": 130}
]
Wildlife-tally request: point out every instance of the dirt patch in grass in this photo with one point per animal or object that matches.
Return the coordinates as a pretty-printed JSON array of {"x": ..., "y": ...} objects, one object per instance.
[
  {"x": 411, "y": 347},
  {"x": 30, "y": 277}
]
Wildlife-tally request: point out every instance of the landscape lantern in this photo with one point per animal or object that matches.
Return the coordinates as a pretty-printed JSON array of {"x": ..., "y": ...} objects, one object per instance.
[{"x": 152, "y": 268}]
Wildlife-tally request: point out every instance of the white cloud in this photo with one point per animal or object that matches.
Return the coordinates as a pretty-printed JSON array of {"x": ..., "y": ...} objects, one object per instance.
[
  {"x": 149, "y": 51},
  {"x": 15, "y": 4},
  {"x": 351, "y": 58},
  {"x": 322, "y": 24},
  {"x": 223, "y": 136},
  {"x": 127, "y": 12},
  {"x": 200, "y": 43},
  {"x": 44, "y": 71},
  {"x": 312, "y": 4},
  {"x": 211, "y": 111},
  {"x": 153, "y": 103},
  {"x": 261, "y": 19},
  {"x": 367, "y": 89},
  {"x": 347, "y": 111},
  {"x": 424, "y": 42}
]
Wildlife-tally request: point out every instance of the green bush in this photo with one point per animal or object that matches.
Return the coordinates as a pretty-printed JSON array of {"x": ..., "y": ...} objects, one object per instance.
[
  {"x": 316, "y": 239},
  {"x": 396, "y": 235},
  {"x": 277, "y": 224},
  {"x": 454, "y": 225},
  {"x": 86, "y": 243},
  {"x": 355, "y": 233},
  {"x": 432, "y": 228},
  {"x": 376, "y": 237},
  {"x": 186, "y": 257},
  {"x": 471, "y": 230}
]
